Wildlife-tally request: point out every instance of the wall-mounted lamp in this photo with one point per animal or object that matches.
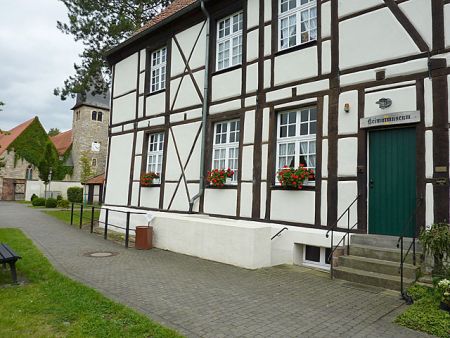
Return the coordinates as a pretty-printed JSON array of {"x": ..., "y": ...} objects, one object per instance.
[
  {"x": 384, "y": 103},
  {"x": 347, "y": 107}
]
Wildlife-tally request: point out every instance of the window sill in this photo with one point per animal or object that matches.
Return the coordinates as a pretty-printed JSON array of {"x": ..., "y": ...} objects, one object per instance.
[
  {"x": 151, "y": 185},
  {"x": 296, "y": 48},
  {"x": 226, "y": 186},
  {"x": 225, "y": 70},
  {"x": 305, "y": 188},
  {"x": 155, "y": 93}
]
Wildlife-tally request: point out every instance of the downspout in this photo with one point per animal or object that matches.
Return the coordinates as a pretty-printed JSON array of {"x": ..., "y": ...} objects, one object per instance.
[{"x": 204, "y": 110}]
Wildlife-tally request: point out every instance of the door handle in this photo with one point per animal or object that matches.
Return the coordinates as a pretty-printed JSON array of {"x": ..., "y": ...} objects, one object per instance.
[{"x": 371, "y": 184}]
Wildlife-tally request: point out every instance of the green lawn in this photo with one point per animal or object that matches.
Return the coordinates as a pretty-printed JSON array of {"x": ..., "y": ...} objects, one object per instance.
[
  {"x": 52, "y": 305},
  {"x": 425, "y": 315},
  {"x": 64, "y": 215}
]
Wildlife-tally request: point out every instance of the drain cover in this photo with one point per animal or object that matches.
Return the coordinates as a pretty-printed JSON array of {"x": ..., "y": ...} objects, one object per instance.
[{"x": 100, "y": 254}]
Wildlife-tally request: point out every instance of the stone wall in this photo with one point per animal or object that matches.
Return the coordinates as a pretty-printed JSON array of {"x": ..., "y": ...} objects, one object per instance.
[
  {"x": 16, "y": 170},
  {"x": 85, "y": 132}
]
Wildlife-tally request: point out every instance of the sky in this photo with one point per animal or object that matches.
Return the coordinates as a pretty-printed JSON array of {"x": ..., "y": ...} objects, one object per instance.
[{"x": 35, "y": 58}]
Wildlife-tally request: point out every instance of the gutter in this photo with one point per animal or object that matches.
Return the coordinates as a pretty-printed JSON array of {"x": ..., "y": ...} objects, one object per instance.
[{"x": 204, "y": 110}]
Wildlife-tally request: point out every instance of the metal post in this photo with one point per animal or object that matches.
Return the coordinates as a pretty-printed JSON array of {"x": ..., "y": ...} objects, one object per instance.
[
  {"x": 127, "y": 231},
  {"x": 105, "y": 236},
  {"x": 81, "y": 216},
  {"x": 71, "y": 215},
  {"x": 401, "y": 265},
  {"x": 348, "y": 231},
  {"x": 92, "y": 219},
  {"x": 332, "y": 258}
]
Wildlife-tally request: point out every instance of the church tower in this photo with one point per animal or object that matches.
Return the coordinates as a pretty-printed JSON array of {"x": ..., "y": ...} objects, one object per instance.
[{"x": 90, "y": 132}]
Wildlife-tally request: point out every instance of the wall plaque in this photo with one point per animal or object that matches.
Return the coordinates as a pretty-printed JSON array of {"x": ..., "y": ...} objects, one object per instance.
[{"x": 390, "y": 119}]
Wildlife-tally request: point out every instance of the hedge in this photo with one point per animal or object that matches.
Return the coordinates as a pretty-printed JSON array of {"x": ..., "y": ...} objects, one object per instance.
[
  {"x": 38, "y": 202},
  {"x": 75, "y": 194},
  {"x": 51, "y": 203}
]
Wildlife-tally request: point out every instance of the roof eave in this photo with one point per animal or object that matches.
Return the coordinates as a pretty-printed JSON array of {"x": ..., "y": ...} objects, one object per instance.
[{"x": 151, "y": 29}]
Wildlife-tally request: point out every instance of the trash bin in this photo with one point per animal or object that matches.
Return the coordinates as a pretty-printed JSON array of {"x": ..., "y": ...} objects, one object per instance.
[{"x": 144, "y": 235}]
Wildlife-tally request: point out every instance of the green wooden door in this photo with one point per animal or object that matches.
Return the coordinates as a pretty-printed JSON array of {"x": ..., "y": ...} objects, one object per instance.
[{"x": 392, "y": 182}]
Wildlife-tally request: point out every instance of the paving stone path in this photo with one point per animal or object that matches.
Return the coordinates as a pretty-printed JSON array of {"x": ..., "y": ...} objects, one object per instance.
[{"x": 200, "y": 298}]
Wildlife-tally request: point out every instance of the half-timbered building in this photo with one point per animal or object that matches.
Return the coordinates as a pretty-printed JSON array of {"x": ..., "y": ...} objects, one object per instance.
[{"x": 355, "y": 90}]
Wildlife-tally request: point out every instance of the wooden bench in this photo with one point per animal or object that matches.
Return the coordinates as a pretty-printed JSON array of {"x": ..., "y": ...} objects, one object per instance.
[{"x": 8, "y": 256}]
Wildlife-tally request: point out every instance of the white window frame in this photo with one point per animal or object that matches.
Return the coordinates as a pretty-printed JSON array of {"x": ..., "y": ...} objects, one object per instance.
[
  {"x": 155, "y": 153},
  {"x": 94, "y": 162},
  {"x": 322, "y": 263},
  {"x": 229, "y": 44},
  {"x": 158, "y": 63},
  {"x": 297, "y": 138},
  {"x": 227, "y": 150},
  {"x": 293, "y": 16}
]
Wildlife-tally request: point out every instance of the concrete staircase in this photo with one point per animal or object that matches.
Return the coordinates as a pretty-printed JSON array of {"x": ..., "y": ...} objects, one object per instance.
[{"x": 375, "y": 260}]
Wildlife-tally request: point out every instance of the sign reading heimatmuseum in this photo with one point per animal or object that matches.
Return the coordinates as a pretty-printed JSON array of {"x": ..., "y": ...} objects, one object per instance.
[{"x": 390, "y": 119}]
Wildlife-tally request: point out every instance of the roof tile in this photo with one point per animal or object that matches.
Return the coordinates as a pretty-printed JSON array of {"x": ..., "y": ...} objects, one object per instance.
[
  {"x": 62, "y": 141},
  {"x": 8, "y": 137}
]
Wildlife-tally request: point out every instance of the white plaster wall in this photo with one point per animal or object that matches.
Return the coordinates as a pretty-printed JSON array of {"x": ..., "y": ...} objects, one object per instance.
[
  {"x": 181, "y": 200},
  {"x": 347, "y": 7},
  {"x": 263, "y": 200},
  {"x": 246, "y": 199},
  {"x": 313, "y": 86},
  {"x": 141, "y": 107},
  {"x": 348, "y": 122},
  {"x": 252, "y": 78},
  {"x": 358, "y": 77},
  {"x": 279, "y": 94},
  {"x": 156, "y": 104},
  {"x": 428, "y": 98},
  {"x": 267, "y": 73},
  {"x": 173, "y": 169},
  {"x": 185, "y": 136},
  {"x": 347, "y": 156},
  {"x": 125, "y": 75},
  {"x": 406, "y": 68},
  {"x": 249, "y": 127},
  {"x": 419, "y": 13},
  {"x": 347, "y": 192},
  {"x": 192, "y": 170},
  {"x": 267, "y": 40},
  {"x": 403, "y": 99},
  {"x": 326, "y": 57},
  {"x": 169, "y": 189},
  {"x": 141, "y": 83},
  {"x": 247, "y": 163},
  {"x": 252, "y": 45},
  {"x": 429, "y": 205},
  {"x": 225, "y": 107},
  {"x": 38, "y": 188},
  {"x": 360, "y": 39},
  {"x": 264, "y": 159},
  {"x": 124, "y": 108},
  {"x": 325, "y": 158},
  {"x": 296, "y": 66},
  {"x": 253, "y": 13},
  {"x": 267, "y": 10},
  {"x": 187, "y": 39},
  {"x": 324, "y": 203},
  {"x": 325, "y": 115},
  {"x": 428, "y": 154},
  {"x": 150, "y": 197},
  {"x": 142, "y": 59},
  {"x": 134, "y": 193},
  {"x": 326, "y": 19},
  {"x": 447, "y": 24},
  {"x": 293, "y": 206},
  {"x": 119, "y": 169},
  {"x": 177, "y": 65},
  {"x": 187, "y": 95},
  {"x": 137, "y": 167},
  {"x": 220, "y": 201},
  {"x": 227, "y": 84},
  {"x": 265, "y": 126}
]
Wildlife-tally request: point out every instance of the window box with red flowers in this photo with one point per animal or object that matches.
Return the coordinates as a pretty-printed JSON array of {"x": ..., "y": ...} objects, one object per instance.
[
  {"x": 149, "y": 179},
  {"x": 291, "y": 178},
  {"x": 218, "y": 178}
]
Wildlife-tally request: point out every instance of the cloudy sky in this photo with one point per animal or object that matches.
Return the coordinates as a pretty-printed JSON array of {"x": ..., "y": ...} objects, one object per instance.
[{"x": 35, "y": 58}]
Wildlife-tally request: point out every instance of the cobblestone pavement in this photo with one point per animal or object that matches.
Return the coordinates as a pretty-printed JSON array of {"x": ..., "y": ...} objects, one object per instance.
[{"x": 201, "y": 298}]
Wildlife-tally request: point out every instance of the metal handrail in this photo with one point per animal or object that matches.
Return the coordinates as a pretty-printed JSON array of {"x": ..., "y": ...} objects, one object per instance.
[
  {"x": 278, "y": 233},
  {"x": 346, "y": 235},
  {"x": 404, "y": 294}
]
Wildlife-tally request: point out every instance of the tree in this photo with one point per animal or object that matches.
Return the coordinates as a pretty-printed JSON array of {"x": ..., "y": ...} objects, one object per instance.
[
  {"x": 48, "y": 162},
  {"x": 53, "y": 132},
  {"x": 101, "y": 25},
  {"x": 86, "y": 168},
  {"x": 1, "y": 105}
]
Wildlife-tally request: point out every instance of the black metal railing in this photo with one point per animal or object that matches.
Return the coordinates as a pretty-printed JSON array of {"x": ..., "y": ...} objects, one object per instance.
[
  {"x": 79, "y": 210},
  {"x": 278, "y": 233},
  {"x": 345, "y": 239},
  {"x": 410, "y": 223}
]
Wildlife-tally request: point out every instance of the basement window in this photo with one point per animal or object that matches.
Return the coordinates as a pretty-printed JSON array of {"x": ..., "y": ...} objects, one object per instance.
[{"x": 316, "y": 256}]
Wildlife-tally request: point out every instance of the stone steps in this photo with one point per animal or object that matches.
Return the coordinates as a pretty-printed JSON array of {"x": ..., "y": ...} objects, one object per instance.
[
  {"x": 370, "y": 278},
  {"x": 383, "y": 241},
  {"x": 385, "y": 254},
  {"x": 379, "y": 266}
]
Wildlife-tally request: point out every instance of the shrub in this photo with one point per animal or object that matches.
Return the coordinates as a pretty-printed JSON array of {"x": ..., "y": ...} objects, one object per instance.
[
  {"x": 51, "y": 203},
  {"x": 436, "y": 242},
  {"x": 33, "y": 197},
  {"x": 75, "y": 194},
  {"x": 63, "y": 204},
  {"x": 38, "y": 202},
  {"x": 59, "y": 198}
]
